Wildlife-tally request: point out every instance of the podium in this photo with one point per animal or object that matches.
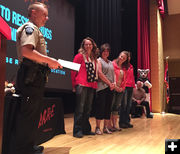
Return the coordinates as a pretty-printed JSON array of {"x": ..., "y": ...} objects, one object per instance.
[
  {"x": 5, "y": 34},
  {"x": 51, "y": 120}
]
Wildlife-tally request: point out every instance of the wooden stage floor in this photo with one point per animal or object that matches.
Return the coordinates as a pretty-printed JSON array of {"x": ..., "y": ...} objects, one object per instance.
[{"x": 147, "y": 137}]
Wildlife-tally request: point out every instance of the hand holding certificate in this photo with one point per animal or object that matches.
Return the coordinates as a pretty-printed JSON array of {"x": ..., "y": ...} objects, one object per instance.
[{"x": 69, "y": 64}]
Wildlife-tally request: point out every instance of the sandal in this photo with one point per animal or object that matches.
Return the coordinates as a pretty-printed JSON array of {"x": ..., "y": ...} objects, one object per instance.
[
  {"x": 116, "y": 129},
  {"x": 107, "y": 131},
  {"x": 98, "y": 131},
  {"x": 111, "y": 129}
]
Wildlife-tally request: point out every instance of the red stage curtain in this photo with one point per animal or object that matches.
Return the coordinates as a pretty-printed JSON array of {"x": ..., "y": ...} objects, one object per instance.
[
  {"x": 143, "y": 51},
  {"x": 143, "y": 40}
]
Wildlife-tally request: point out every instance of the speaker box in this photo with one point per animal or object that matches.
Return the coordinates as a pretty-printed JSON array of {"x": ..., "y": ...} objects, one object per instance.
[{"x": 174, "y": 90}]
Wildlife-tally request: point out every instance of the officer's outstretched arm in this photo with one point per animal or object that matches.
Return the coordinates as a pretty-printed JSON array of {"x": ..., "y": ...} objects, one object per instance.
[{"x": 32, "y": 54}]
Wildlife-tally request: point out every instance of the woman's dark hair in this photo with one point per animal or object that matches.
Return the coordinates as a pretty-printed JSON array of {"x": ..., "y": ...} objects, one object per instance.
[
  {"x": 82, "y": 49},
  {"x": 104, "y": 47},
  {"x": 97, "y": 53},
  {"x": 125, "y": 64}
]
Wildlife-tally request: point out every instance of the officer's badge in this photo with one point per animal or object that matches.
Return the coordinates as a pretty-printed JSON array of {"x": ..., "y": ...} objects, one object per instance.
[{"x": 29, "y": 30}]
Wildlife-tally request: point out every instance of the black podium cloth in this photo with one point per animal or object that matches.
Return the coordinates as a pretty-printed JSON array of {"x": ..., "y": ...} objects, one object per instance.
[{"x": 51, "y": 119}]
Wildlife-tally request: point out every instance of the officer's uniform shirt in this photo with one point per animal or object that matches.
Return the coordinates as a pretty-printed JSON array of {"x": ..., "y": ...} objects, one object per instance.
[{"x": 30, "y": 34}]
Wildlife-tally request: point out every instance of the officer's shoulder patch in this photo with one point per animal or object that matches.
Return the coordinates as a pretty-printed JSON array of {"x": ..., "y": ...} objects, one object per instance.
[{"x": 29, "y": 29}]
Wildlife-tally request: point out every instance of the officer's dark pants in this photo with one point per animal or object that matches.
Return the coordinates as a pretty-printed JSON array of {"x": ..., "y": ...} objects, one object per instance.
[
  {"x": 25, "y": 130},
  {"x": 126, "y": 106},
  {"x": 84, "y": 99}
]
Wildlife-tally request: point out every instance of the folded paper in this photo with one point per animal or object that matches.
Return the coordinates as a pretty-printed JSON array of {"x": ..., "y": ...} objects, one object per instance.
[{"x": 69, "y": 64}]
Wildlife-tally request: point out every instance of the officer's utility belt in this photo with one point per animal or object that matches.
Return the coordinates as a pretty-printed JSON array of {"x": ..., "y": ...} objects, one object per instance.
[{"x": 34, "y": 72}]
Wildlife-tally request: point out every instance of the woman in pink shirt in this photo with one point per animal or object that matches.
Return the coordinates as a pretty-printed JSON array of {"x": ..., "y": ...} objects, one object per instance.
[
  {"x": 84, "y": 84},
  {"x": 124, "y": 121},
  {"x": 118, "y": 64}
]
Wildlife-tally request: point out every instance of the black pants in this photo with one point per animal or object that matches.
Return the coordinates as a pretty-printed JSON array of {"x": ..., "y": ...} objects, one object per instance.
[
  {"x": 103, "y": 104},
  {"x": 144, "y": 103},
  {"x": 84, "y": 99},
  {"x": 25, "y": 130}
]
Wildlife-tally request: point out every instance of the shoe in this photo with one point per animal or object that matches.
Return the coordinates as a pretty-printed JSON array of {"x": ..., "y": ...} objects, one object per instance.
[
  {"x": 89, "y": 133},
  {"x": 123, "y": 126},
  {"x": 38, "y": 148},
  {"x": 114, "y": 129},
  {"x": 98, "y": 131},
  {"x": 78, "y": 135},
  {"x": 150, "y": 116},
  {"x": 106, "y": 131},
  {"x": 129, "y": 125},
  {"x": 118, "y": 129},
  {"x": 135, "y": 116}
]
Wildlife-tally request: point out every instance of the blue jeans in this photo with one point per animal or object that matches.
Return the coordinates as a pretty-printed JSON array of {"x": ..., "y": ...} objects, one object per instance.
[
  {"x": 126, "y": 106},
  {"x": 84, "y": 99}
]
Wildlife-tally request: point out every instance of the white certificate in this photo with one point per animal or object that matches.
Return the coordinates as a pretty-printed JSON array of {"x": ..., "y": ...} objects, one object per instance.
[{"x": 69, "y": 64}]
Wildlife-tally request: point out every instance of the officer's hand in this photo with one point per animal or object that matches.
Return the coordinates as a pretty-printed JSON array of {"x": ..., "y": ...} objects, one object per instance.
[{"x": 54, "y": 64}]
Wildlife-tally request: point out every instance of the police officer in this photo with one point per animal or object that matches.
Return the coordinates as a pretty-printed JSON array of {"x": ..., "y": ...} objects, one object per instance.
[{"x": 31, "y": 79}]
